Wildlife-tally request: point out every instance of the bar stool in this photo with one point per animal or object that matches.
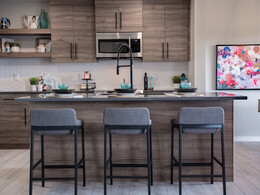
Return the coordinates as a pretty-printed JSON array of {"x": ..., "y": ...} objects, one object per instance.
[
  {"x": 56, "y": 122},
  {"x": 130, "y": 121},
  {"x": 199, "y": 120}
]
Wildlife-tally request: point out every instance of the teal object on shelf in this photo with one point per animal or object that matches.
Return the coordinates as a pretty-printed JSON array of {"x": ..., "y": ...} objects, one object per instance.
[{"x": 43, "y": 21}]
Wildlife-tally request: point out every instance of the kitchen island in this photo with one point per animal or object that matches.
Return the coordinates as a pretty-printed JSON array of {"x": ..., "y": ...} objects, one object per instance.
[{"x": 163, "y": 108}]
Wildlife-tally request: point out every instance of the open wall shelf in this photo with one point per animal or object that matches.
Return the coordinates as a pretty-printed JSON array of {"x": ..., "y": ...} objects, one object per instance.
[
  {"x": 19, "y": 32},
  {"x": 25, "y": 55}
]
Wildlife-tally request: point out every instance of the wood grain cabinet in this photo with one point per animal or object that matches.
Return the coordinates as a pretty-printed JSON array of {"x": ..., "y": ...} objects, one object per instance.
[
  {"x": 71, "y": 2},
  {"x": 14, "y": 127},
  {"x": 73, "y": 33},
  {"x": 166, "y": 31},
  {"x": 118, "y": 16}
]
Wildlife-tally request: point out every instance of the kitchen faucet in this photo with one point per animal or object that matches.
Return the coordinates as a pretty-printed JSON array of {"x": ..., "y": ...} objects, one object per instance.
[{"x": 131, "y": 62}]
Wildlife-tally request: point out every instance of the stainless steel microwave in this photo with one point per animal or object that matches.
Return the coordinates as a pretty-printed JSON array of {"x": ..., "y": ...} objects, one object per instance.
[{"x": 107, "y": 44}]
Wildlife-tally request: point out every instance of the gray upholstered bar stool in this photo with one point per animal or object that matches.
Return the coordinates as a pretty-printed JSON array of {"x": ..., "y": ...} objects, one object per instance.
[
  {"x": 199, "y": 120},
  {"x": 56, "y": 122},
  {"x": 127, "y": 121}
]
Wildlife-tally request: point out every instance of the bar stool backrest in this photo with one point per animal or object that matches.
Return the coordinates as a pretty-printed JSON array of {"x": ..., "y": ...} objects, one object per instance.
[
  {"x": 127, "y": 117},
  {"x": 201, "y": 116},
  {"x": 53, "y": 117}
]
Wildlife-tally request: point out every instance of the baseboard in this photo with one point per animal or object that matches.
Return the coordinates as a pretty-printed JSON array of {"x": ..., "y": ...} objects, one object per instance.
[{"x": 247, "y": 138}]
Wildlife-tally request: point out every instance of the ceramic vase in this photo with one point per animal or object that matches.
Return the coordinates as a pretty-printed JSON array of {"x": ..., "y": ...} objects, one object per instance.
[
  {"x": 176, "y": 85},
  {"x": 33, "y": 87},
  {"x": 43, "y": 20}
]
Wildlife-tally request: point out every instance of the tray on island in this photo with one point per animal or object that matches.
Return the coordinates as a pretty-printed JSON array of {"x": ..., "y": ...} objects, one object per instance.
[
  {"x": 67, "y": 91},
  {"x": 186, "y": 90}
]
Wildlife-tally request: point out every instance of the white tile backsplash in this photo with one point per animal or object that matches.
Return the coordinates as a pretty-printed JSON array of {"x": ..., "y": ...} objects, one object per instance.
[{"x": 103, "y": 73}]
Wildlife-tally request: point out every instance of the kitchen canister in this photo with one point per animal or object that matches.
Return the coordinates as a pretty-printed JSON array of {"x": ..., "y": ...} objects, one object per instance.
[{"x": 43, "y": 21}]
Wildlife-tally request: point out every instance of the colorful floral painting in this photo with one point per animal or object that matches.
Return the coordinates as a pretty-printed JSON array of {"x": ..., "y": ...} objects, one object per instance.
[{"x": 238, "y": 67}]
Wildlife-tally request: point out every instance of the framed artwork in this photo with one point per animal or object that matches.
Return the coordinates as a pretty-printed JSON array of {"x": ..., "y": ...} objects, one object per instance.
[
  {"x": 238, "y": 67},
  {"x": 30, "y": 22}
]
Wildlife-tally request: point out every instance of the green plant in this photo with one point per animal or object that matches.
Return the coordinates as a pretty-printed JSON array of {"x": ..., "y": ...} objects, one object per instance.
[
  {"x": 34, "y": 81},
  {"x": 14, "y": 45},
  {"x": 176, "y": 79}
]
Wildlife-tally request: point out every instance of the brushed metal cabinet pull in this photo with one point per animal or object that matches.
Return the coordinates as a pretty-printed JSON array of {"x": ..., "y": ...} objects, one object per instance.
[
  {"x": 121, "y": 20},
  {"x": 71, "y": 48},
  {"x": 167, "y": 50},
  {"x": 25, "y": 117},
  {"x": 76, "y": 51},
  {"x": 162, "y": 50},
  {"x": 115, "y": 20}
]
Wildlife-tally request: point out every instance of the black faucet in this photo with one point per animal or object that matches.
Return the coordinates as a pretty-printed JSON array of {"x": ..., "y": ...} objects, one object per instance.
[{"x": 131, "y": 62}]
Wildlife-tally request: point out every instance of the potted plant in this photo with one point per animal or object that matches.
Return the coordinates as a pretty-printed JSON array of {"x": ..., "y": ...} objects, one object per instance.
[
  {"x": 15, "y": 47},
  {"x": 34, "y": 82},
  {"x": 176, "y": 82}
]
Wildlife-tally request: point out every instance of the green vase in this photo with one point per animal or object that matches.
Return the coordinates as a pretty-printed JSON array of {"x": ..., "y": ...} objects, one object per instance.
[{"x": 43, "y": 20}]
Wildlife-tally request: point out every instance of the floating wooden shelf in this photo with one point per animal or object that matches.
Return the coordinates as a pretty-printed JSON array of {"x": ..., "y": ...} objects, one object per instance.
[
  {"x": 25, "y": 55},
  {"x": 25, "y": 32}
]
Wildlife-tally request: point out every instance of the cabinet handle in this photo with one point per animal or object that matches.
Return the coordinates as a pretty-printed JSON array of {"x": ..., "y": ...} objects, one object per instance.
[
  {"x": 71, "y": 48},
  {"x": 121, "y": 20},
  {"x": 25, "y": 117},
  {"x": 167, "y": 50},
  {"x": 116, "y": 20},
  {"x": 162, "y": 50},
  {"x": 76, "y": 51}
]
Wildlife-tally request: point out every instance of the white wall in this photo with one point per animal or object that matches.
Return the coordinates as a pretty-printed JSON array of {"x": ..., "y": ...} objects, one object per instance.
[{"x": 227, "y": 22}]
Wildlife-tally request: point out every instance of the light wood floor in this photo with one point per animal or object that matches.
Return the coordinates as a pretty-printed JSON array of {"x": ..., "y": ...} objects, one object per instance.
[{"x": 14, "y": 172}]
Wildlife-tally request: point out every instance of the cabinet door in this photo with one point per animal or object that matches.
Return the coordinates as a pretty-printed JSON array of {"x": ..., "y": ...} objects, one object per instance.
[
  {"x": 130, "y": 17},
  {"x": 153, "y": 33},
  {"x": 107, "y": 17},
  {"x": 84, "y": 34},
  {"x": 177, "y": 32},
  {"x": 14, "y": 129},
  {"x": 62, "y": 33}
]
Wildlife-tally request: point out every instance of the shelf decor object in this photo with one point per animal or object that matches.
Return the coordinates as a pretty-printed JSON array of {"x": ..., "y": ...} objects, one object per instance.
[
  {"x": 238, "y": 67},
  {"x": 43, "y": 20}
]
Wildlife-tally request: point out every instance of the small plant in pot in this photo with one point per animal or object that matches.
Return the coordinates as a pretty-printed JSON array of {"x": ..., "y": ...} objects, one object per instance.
[
  {"x": 34, "y": 82},
  {"x": 176, "y": 82}
]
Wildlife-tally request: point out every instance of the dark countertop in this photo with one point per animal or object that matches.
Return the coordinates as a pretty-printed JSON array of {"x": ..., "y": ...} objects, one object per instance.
[
  {"x": 36, "y": 92},
  {"x": 99, "y": 97}
]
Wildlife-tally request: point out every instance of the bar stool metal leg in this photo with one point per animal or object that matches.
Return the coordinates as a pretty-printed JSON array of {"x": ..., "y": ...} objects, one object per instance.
[
  {"x": 148, "y": 161},
  {"x": 105, "y": 161},
  {"x": 180, "y": 160},
  {"x": 75, "y": 163},
  {"x": 31, "y": 162},
  {"x": 83, "y": 156},
  {"x": 151, "y": 160},
  {"x": 42, "y": 159},
  {"x": 110, "y": 157},
  {"x": 172, "y": 152},
  {"x": 223, "y": 161},
  {"x": 212, "y": 160}
]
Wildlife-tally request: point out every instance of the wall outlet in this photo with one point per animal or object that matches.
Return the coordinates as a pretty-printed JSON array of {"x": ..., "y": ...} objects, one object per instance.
[
  {"x": 16, "y": 76},
  {"x": 80, "y": 76}
]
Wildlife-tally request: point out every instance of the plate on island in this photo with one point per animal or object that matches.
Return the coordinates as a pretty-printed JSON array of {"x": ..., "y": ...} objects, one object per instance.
[
  {"x": 59, "y": 91},
  {"x": 186, "y": 90}
]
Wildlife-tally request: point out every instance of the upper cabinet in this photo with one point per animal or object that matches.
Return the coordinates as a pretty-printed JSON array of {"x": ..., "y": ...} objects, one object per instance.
[
  {"x": 73, "y": 33},
  {"x": 118, "y": 16},
  {"x": 166, "y": 31}
]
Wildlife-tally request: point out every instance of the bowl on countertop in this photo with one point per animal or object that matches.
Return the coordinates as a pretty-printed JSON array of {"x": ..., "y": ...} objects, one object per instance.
[
  {"x": 185, "y": 85},
  {"x": 63, "y": 86},
  {"x": 125, "y": 85}
]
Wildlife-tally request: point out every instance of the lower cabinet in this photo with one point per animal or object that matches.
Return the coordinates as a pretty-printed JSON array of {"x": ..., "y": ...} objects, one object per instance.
[{"x": 14, "y": 127}]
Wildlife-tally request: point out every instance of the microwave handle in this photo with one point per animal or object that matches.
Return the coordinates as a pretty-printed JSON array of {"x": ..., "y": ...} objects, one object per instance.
[{"x": 116, "y": 20}]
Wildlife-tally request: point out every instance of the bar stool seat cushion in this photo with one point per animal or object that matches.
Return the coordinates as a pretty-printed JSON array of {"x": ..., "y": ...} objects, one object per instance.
[
  {"x": 201, "y": 116},
  {"x": 127, "y": 117},
  {"x": 53, "y": 118}
]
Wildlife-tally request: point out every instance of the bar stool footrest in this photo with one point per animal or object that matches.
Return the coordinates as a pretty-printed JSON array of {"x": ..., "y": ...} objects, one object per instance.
[
  {"x": 55, "y": 178},
  {"x": 202, "y": 176},
  {"x": 127, "y": 177},
  {"x": 129, "y": 165}
]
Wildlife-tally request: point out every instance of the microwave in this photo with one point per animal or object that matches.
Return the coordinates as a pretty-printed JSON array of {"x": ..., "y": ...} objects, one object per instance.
[{"x": 107, "y": 44}]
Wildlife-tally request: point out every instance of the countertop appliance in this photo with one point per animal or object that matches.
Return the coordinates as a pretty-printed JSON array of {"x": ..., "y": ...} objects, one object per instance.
[{"x": 107, "y": 44}]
